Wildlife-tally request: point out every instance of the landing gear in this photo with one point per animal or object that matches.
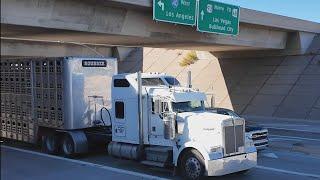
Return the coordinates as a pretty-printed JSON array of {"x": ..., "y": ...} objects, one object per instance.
[{"x": 192, "y": 165}]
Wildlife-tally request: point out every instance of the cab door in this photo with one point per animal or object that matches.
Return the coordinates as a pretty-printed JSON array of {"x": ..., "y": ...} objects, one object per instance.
[
  {"x": 156, "y": 119},
  {"x": 160, "y": 119}
]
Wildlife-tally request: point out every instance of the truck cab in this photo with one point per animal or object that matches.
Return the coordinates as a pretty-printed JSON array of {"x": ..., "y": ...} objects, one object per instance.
[{"x": 174, "y": 129}]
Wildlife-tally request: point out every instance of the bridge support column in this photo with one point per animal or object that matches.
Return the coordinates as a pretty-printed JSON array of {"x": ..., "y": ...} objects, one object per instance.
[{"x": 130, "y": 59}]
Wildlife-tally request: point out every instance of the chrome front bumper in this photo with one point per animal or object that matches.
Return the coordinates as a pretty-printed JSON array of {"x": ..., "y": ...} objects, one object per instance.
[
  {"x": 231, "y": 164},
  {"x": 259, "y": 138},
  {"x": 261, "y": 144}
]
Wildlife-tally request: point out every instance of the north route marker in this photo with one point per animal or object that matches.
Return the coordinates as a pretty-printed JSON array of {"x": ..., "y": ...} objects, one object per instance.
[{"x": 175, "y": 11}]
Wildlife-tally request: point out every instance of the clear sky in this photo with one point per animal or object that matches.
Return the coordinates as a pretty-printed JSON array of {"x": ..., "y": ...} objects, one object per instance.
[{"x": 302, "y": 9}]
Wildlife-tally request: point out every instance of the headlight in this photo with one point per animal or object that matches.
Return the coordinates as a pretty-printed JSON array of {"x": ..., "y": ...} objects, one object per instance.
[
  {"x": 249, "y": 142},
  {"x": 248, "y": 135},
  {"x": 216, "y": 152},
  {"x": 216, "y": 149}
]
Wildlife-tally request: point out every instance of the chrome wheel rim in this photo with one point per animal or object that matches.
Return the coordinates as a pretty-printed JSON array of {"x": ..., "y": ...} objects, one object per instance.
[{"x": 193, "y": 168}]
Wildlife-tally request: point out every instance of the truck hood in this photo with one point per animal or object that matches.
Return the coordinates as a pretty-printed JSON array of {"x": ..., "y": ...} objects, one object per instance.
[
  {"x": 201, "y": 127},
  {"x": 202, "y": 118}
]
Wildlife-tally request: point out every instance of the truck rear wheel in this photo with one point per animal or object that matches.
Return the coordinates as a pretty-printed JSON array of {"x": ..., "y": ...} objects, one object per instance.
[
  {"x": 192, "y": 165},
  {"x": 67, "y": 146},
  {"x": 50, "y": 144}
]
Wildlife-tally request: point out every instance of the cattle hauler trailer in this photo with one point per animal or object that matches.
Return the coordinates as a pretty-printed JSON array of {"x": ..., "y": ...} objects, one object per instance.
[{"x": 61, "y": 101}]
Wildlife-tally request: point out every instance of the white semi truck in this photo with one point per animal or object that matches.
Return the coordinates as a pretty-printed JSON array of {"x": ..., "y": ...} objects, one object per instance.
[
  {"x": 160, "y": 125},
  {"x": 155, "y": 124}
]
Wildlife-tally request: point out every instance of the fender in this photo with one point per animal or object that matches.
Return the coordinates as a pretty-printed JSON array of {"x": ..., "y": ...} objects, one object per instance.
[{"x": 196, "y": 145}]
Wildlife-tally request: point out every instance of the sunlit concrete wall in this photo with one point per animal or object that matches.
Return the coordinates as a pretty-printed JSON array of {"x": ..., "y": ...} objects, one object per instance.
[
  {"x": 284, "y": 86},
  {"x": 275, "y": 86}
]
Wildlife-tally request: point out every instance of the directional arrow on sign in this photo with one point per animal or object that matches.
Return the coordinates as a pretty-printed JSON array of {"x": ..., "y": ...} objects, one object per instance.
[
  {"x": 202, "y": 14},
  {"x": 176, "y": 11},
  {"x": 161, "y": 4},
  {"x": 221, "y": 21}
]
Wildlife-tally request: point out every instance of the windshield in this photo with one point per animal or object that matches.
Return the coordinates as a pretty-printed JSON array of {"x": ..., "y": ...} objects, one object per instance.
[
  {"x": 172, "y": 81},
  {"x": 187, "y": 106},
  {"x": 152, "y": 82}
]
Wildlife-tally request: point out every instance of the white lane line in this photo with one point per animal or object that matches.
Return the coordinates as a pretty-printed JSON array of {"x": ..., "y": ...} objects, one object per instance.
[
  {"x": 288, "y": 172},
  {"x": 292, "y": 138},
  {"x": 87, "y": 163},
  {"x": 270, "y": 155}
]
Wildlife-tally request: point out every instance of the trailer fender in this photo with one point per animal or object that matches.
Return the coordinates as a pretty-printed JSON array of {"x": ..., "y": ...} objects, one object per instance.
[
  {"x": 80, "y": 141},
  {"x": 194, "y": 145}
]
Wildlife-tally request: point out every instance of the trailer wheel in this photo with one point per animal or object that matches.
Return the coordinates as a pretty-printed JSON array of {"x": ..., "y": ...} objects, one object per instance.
[
  {"x": 67, "y": 146},
  {"x": 192, "y": 165},
  {"x": 50, "y": 144}
]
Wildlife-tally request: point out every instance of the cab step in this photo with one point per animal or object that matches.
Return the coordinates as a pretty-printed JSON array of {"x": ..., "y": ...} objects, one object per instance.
[
  {"x": 158, "y": 154},
  {"x": 154, "y": 163}
]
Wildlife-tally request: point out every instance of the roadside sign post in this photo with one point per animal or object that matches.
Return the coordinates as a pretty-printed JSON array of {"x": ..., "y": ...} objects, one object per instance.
[
  {"x": 216, "y": 17},
  {"x": 175, "y": 11}
]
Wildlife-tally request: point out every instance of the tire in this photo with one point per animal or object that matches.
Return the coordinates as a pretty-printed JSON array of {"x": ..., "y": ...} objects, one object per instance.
[
  {"x": 50, "y": 144},
  {"x": 67, "y": 146},
  {"x": 192, "y": 165}
]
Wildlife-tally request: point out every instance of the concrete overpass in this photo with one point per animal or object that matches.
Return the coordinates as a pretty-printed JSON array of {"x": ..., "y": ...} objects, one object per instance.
[
  {"x": 130, "y": 23},
  {"x": 285, "y": 84}
]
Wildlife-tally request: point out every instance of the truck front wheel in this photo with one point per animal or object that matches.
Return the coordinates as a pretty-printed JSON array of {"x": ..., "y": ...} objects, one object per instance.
[{"x": 192, "y": 165}]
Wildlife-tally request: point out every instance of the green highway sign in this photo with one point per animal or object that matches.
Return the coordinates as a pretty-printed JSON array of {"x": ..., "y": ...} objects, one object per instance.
[
  {"x": 216, "y": 17},
  {"x": 175, "y": 11}
]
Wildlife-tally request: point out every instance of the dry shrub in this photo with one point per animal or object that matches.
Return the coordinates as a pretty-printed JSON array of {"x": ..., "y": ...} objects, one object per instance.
[{"x": 189, "y": 59}]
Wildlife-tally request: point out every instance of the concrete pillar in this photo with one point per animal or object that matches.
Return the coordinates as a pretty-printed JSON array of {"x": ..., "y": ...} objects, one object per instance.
[
  {"x": 129, "y": 59},
  {"x": 298, "y": 43},
  {"x": 315, "y": 45}
]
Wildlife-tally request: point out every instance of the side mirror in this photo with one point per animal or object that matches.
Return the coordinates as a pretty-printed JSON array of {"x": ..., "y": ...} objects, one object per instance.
[{"x": 170, "y": 126}]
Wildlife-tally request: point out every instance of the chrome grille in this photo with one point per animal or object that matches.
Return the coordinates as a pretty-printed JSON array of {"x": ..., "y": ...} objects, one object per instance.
[
  {"x": 229, "y": 140},
  {"x": 239, "y": 136},
  {"x": 233, "y": 137}
]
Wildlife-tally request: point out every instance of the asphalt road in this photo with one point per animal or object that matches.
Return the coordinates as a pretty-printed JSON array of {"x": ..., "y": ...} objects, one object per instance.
[
  {"x": 289, "y": 157},
  {"x": 17, "y": 164}
]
